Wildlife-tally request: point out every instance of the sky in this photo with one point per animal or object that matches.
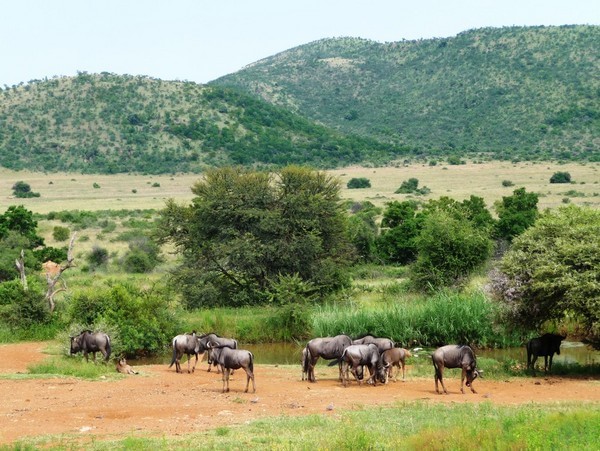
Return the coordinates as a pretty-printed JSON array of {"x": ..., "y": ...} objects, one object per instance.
[{"x": 199, "y": 40}]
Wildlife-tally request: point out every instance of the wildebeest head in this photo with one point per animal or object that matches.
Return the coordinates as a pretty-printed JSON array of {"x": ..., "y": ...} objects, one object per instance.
[
  {"x": 472, "y": 374},
  {"x": 76, "y": 344}
]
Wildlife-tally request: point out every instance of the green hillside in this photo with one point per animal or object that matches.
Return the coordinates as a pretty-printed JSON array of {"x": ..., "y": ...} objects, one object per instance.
[
  {"x": 515, "y": 92},
  {"x": 107, "y": 123}
]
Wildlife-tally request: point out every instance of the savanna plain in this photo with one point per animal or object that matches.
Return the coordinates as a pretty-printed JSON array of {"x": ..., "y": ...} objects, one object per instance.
[{"x": 159, "y": 408}]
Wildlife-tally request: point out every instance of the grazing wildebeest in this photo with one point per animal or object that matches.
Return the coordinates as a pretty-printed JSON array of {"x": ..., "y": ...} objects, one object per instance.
[
  {"x": 383, "y": 344},
  {"x": 455, "y": 356},
  {"x": 232, "y": 359},
  {"x": 326, "y": 347},
  {"x": 546, "y": 346},
  {"x": 356, "y": 356},
  {"x": 220, "y": 341},
  {"x": 124, "y": 368},
  {"x": 88, "y": 342},
  {"x": 188, "y": 344},
  {"x": 395, "y": 357}
]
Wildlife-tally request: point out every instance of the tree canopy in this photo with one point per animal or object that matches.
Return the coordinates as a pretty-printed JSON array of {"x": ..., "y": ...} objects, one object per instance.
[
  {"x": 553, "y": 270},
  {"x": 245, "y": 230}
]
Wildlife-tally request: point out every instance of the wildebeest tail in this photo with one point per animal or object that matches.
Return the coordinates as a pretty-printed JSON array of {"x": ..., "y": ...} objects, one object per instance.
[
  {"x": 305, "y": 360},
  {"x": 251, "y": 363},
  {"x": 174, "y": 353},
  {"x": 334, "y": 362},
  {"x": 108, "y": 349}
]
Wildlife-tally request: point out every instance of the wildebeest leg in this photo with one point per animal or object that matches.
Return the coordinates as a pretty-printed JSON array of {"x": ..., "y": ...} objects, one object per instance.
[
  {"x": 462, "y": 380},
  {"x": 440, "y": 377},
  {"x": 249, "y": 375},
  {"x": 403, "y": 363},
  {"x": 225, "y": 380}
]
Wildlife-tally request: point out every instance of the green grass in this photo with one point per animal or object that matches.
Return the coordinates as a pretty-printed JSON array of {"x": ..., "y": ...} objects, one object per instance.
[
  {"x": 75, "y": 366},
  {"x": 407, "y": 425}
]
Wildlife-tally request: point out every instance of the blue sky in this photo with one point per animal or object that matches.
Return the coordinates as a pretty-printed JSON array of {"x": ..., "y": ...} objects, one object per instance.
[{"x": 203, "y": 40}]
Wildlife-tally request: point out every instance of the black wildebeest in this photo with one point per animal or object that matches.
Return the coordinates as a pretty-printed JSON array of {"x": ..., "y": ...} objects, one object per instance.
[
  {"x": 395, "y": 357},
  {"x": 232, "y": 359},
  {"x": 188, "y": 344},
  {"x": 88, "y": 342},
  {"x": 219, "y": 341},
  {"x": 546, "y": 345},
  {"x": 356, "y": 356},
  {"x": 326, "y": 347},
  {"x": 455, "y": 356},
  {"x": 383, "y": 344}
]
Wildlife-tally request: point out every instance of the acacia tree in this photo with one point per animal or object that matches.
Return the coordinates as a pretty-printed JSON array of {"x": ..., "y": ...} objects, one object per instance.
[
  {"x": 553, "y": 270},
  {"x": 245, "y": 230}
]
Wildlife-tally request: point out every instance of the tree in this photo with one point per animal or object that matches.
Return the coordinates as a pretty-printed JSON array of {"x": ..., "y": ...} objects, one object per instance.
[
  {"x": 553, "y": 270},
  {"x": 399, "y": 228},
  {"x": 245, "y": 229},
  {"x": 448, "y": 250},
  {"x": 516, "y": 213}
]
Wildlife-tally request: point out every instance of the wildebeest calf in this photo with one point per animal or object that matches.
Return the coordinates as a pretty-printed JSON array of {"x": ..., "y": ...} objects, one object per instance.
[
  {"x": 455, "y": 356},
  {"x": 88, "y": 342},
  {"x": 232, "y": 359},
  {"x": 546, "y": 345},
  {"x": 395, "y": 357}
]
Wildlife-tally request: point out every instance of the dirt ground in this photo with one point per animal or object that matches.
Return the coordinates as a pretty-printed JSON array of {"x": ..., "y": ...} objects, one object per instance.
[{"x": 160, "y": 402}]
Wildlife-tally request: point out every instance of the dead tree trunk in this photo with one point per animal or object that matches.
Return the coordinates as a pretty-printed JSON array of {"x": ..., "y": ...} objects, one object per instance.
[
  {"x": 20, "y": 262},
  {"x": 52, "y": 279}
]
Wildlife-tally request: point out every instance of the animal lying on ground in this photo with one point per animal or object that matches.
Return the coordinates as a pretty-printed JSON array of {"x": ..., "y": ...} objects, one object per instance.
[
  {"x": 546, "y": 345},
  {"x": 355, "y": 356},
  {"x": 232, "y": 359},
  {"x": 123, "y": 368},
  {"x": 88, "y": 342},
  {"x": 455, "y": 356},
  {"x": 395, "y": 357},
  {"x": 326, "y": 347},
  {"x": 188, "y": 344}
]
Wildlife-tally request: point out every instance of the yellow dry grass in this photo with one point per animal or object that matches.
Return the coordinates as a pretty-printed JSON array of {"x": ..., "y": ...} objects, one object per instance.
[{"x": 60, "y": 191}]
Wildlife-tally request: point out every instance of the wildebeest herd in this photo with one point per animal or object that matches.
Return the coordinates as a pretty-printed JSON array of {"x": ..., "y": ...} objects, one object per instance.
[{"x": 378, "y": 355}]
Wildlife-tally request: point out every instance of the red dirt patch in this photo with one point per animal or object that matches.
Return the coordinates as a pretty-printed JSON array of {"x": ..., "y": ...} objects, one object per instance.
[{"x": 160, "y": 402}]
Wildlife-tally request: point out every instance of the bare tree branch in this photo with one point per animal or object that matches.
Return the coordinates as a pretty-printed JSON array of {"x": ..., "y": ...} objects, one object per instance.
[
  {"x": 20, "y": 262},
  {"x": 53, "y": 278}
]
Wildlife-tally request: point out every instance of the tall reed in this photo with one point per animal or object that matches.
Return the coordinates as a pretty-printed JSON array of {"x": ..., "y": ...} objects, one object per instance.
[{"x": 426, "y": 321}]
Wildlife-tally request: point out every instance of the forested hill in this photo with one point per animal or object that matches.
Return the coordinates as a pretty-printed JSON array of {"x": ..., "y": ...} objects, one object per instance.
[
  {"x": 517, "y": 92},
  {"x": 106, "y": 123}
]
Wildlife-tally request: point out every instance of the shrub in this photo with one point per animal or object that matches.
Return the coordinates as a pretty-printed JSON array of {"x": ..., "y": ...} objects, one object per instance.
[
  {"x": 23, "y": 190},
  {"x": 361, "y": 182},
  {"x": 95, "y": 185},
  {"x": 61, "y": 233},
  {"x": 145, "y": 319},
  {"x": 412, "y": 186},
  {"x": 560, "y": 177},
  {"x": 507, "y": 183},
  {"x": 97, "y": 257}
]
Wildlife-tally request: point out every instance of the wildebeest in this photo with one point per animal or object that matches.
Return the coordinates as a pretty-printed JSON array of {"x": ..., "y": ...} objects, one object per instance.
[
  {"x": 455, "y": 356},
  {"x": 395, "y": 357},
  {"x": 232, "y": 359},
  {"x": 188, "y": 344},
  {"x": 124, "y": 368},
  {"x": 355, "y": 356},
  {"x": 326, "y": 347},
  {"x": 546, "y": 345},
  {"x": 219, "y": 341},
  {"x": 383, "y": 344},
  {"x": 88, "y": 342}
]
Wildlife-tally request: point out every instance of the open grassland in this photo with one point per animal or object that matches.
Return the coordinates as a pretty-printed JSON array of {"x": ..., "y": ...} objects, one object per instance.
[{"x": 60, "y": 191}]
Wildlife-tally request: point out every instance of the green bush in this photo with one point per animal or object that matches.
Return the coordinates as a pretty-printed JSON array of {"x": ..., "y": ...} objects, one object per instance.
[
  {"x": 22, "y": 309},
  {"x": 23, "y": 190},
  {"x": 357, "y": 183},
  {"x": 61, "y": 233},
  {"x": 145, "y": 320},
  {"x": 560, "y": 177},
  {"x": 507, "y": 183},
  {"x": 97, "y": 258}
]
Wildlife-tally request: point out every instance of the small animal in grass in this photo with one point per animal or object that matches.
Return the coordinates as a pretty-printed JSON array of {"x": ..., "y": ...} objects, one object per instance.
[{"x": 124, "y": 368}]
